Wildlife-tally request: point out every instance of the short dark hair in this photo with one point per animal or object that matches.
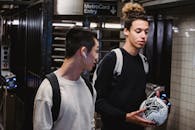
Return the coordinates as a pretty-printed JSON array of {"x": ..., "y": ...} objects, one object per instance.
[{"x": 77, "y": 37}]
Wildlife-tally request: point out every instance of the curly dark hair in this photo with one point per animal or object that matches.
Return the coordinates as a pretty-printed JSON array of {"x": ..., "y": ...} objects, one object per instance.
[{"x": 132, "y": 12}]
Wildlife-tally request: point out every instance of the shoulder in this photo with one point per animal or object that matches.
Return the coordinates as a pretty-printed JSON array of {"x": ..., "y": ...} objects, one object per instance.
[
  {"x": 107, "y": 62},
  {"x": 44, "y": 91},
  {"x": 109, "y": 58}
]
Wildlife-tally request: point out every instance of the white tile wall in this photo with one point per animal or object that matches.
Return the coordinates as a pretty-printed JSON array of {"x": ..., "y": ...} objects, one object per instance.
[{"x": 182, "y": 116}]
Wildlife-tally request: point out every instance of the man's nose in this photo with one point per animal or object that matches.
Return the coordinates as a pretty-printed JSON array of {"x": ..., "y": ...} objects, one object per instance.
[{"x": 143, "y": 35}]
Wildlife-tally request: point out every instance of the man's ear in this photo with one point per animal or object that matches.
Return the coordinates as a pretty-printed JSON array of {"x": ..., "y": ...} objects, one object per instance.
[
  {"x": 126, "y": 32},
  {"x": 84, "y": 52}
]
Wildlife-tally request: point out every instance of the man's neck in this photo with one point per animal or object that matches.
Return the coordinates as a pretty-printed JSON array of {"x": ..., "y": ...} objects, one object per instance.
[
  {"x": 130, "y": 49},
  {"x": 70, "y": 70}
]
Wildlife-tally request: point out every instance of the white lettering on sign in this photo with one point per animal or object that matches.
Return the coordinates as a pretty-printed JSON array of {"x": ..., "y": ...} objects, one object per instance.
[
  {"x": 100, "y": 8},
  {"x": 96, "y": 6},
  {"x": 90, "y": 11},
  {"x": 113, "y": 10}
]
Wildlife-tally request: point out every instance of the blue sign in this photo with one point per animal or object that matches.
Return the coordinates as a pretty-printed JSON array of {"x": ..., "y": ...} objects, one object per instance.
[{"x": 100, "y": 8}]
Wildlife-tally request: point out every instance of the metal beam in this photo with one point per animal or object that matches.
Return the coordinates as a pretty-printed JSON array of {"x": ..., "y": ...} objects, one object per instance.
[
  {"x": 14, "y": 2},
  {"x": 147, "y": 3}
]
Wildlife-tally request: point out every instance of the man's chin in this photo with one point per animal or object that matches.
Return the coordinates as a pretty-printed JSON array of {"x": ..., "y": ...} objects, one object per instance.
[{"x": 140, "y": 47}]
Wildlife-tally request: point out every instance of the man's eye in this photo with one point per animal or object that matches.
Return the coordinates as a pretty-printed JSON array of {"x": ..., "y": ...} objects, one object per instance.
[
  {"x": 146, "y": 32},
  {"x": 138, "y": 30}
]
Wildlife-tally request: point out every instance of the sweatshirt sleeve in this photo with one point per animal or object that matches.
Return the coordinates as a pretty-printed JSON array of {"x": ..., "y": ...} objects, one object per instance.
[
  {"x": 102, "y": 85},
  {"x": 42, "y": 116}
]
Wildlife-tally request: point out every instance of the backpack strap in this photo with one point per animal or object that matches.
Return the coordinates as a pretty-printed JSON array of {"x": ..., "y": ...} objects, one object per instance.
[
  {"x": 88, "y": 84},
  {"x": 118, "y": 65},
  {"x": 56, "y": 95},
  {"x": 119, "y": 62},
  {"x": 145, "y": 63}
]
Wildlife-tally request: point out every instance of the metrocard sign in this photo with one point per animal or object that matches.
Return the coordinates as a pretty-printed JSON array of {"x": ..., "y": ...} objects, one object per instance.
[{"x": 100, "y": 8}]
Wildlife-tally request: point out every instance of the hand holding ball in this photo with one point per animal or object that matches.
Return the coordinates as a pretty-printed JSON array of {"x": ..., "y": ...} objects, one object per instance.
[{"x": 156, "y": 110}]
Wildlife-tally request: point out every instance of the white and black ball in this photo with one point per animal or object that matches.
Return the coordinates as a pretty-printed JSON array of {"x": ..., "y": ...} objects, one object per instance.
[{"x": 156, "y": 110}]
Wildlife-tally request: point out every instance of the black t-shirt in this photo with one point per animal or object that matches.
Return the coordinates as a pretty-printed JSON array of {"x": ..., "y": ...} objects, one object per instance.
[{"x": 118, "y": 95}]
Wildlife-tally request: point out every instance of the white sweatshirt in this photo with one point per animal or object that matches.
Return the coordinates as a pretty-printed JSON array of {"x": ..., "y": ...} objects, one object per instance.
[{"x": 76, "y": 111}]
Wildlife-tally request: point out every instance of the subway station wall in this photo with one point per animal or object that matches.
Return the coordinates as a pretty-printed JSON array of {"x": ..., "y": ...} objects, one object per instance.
[{"x": 182, "y": 93}]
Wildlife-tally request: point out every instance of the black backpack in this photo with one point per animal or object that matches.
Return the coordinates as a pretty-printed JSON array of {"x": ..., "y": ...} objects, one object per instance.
[{"x": 56, "y": 93}]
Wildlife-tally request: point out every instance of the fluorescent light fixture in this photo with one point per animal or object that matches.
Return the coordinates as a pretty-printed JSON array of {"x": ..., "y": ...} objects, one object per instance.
[
  {"x": 93, "y": 25},
  {"x": 59, "y": 60},
  {"x": 15, "y": 22},
  {"x": 60, "y": 38},
  {"x": 79, "y": 24},
  {"x": 112, "y": 25},
  {"x": 59, "y": 49},
  {"x": 71, "y": 24},
  {"x": 9, "y": 22},
  {"x": 192, "y": 29},
  {"x": 64, "y": 24},
  {"x": 175, "y": 29}
]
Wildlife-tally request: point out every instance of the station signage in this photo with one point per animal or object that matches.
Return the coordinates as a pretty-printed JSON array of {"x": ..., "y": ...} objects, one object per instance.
[{"x": 108, "y": 8}]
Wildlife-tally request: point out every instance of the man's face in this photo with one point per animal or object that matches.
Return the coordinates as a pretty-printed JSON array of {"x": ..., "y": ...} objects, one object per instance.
[
  {"x": 92, "y": 56},
  {"x": 137, "y": 34}
]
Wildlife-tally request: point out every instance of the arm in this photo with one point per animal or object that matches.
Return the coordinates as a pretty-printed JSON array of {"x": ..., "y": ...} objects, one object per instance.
[
  {"x": 137, "y": 119},
  {"x": 42, "y": 116},
  {"x": 102, "y": 85}
]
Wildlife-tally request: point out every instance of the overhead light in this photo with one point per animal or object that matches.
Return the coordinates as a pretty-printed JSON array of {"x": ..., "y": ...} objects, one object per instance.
[
  {"x": 63, "y": 24},
  {"x": 192, "y": 29},
  {"x": 15, "y": 22},
  {"x": 60, "y": 49},
  {"x": 112, "y": 25},
  {"x": 67, "y": 24},
  {"x": 60, "y": 38},
  {"x": 175, "y": 29},
  {"x": 93, "y": 25},
  {"x": 79, "y": 24}
]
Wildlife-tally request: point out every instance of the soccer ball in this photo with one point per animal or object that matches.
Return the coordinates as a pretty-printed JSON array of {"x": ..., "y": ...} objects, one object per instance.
[{"x": 156, "y": 110}]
